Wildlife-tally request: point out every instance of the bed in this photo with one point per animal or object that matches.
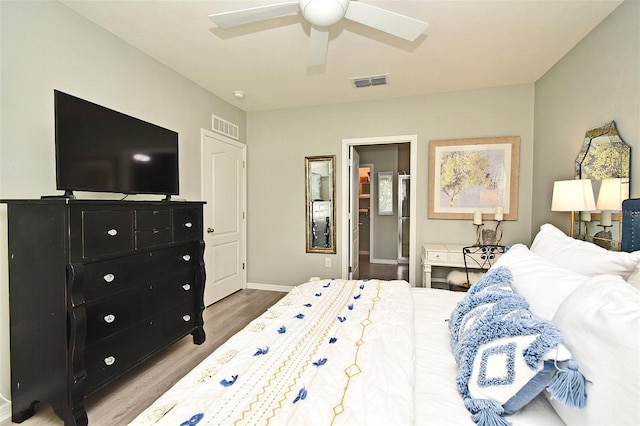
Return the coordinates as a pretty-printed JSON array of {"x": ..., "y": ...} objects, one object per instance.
[{"x": 550, "y": 335}]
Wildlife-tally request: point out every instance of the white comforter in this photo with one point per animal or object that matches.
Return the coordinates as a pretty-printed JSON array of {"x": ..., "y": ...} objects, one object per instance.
[{"x": 330, "y": 352}]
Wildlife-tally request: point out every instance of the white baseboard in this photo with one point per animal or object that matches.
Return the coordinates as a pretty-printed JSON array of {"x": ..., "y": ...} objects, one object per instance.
[
  {"x": 5, "y": 411},
  {"x": 385, "y": 261},
  {"x": 270, "y": 287}
]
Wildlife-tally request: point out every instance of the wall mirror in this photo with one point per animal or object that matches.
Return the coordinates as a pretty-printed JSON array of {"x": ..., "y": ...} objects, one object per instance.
[
  {"x": 320, "y": 203},
  {"x": 605, "y": 159},
  {"x": 385, "y": 193}
]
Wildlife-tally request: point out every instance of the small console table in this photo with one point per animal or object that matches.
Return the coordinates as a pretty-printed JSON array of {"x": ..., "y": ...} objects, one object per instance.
[{"x": 446, "y": 255}]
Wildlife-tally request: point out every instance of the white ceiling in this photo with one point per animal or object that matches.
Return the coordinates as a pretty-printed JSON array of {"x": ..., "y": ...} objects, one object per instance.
[{"x": 468, "y": 45}]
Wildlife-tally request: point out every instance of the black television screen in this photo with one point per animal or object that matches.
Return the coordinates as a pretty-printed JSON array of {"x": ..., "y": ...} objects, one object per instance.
[{"x": 102, "y": 150}]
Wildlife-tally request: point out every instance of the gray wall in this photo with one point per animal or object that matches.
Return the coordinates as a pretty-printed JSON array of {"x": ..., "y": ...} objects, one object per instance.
[
  {"x": 45, "y": 46},
  {"x": 596, "y": 82},
  {"x": 279, "y": 141}
]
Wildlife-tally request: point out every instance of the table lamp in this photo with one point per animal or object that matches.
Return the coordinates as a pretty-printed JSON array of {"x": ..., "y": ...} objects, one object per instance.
[
  {"x": 610, "y": 199},
  {"x": 574, "y": 195}
]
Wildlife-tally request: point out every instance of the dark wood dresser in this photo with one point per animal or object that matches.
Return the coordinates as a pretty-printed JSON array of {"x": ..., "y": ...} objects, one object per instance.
[{"x": 95, "y": 288}]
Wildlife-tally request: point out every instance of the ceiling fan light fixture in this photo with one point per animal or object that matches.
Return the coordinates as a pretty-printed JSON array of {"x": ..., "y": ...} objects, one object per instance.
[{"x": 323, "y": 13}]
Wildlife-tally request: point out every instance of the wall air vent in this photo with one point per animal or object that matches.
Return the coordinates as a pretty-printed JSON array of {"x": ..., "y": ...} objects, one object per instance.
[
  {"x": 374, "y": 80},
  {"x": 224, "y": 127}
]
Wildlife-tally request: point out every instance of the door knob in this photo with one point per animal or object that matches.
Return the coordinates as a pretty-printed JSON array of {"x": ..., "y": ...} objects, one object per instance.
[{"x": 210, "y": 230}]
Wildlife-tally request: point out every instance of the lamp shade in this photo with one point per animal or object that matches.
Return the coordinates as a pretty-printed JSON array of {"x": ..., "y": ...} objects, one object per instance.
[
  {"x": 573, "y": 196},
  {"x": 610, "y": 196}
]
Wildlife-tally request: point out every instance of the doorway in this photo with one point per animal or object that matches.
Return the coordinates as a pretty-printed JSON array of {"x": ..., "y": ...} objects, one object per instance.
[
  {"x": 348, "y": 188},
  {"x": 364, "y": 209}
]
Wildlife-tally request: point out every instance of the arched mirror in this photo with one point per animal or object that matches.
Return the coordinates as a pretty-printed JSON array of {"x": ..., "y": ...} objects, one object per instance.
[
  {"x": 320, "y": 203},
  {"x": 605, "y": 159}
]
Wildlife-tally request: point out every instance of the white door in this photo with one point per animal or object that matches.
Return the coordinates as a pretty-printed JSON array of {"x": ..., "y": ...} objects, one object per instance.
[
  {"x": 223, "y": 171},
  {"x": 354, "y": 213}
]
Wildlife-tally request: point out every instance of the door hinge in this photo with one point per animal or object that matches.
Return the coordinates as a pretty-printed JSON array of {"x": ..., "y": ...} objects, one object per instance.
[
  {"x": 243, "y": 266},
  {"x": 350, "y": 269},
  {"x": 244, "y": 164},
  {"x": 243, "y": 215}
]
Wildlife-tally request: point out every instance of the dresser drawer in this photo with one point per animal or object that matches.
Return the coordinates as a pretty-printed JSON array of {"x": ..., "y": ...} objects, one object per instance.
[
  {"x": 106, "y": 232},
  {"x": 107, "y": 278},
  {"x": 152, "y": 218},
  {"x": 109, "y": 316},
  {"x": 438, "y": 256},
  {"x": 187, "y": 224},
  {"x": 113, "y": 356},
  {"x": 152, "y": 237},
  {"x": 173, "y": 324},
  {"x": 456, "y": 257}
]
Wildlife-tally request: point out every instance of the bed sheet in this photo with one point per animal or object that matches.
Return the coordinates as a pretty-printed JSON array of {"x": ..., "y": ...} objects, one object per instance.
[
  {"x": 330, "y": 352},
  {"x": 437, "y": 400}
]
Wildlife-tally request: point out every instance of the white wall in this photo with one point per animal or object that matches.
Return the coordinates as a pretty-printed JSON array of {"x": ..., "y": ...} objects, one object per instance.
[
  {"x": 279, "y": 141},
  {"x": 596, "y": 82},
  {"x": 46, "y": 46}
]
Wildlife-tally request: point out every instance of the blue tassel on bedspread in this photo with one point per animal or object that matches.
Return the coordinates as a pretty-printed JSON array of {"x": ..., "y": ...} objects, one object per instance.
[
  {"x": 261, "y": 351},
  {"x": 302, "y": 394},
  {"x": 226, "y": 383},
  {"x": 194, "y": 420}
]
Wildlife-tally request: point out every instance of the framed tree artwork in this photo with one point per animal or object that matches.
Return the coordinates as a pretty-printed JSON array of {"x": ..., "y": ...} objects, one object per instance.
[{"x": 474, "y": 175}]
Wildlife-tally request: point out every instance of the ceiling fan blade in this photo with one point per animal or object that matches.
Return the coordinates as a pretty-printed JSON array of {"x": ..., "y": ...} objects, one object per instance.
[
  {"x": 319, "y": 45},
  {"x": 254, "y": 14},
  {"x": 385, "y": 20}
]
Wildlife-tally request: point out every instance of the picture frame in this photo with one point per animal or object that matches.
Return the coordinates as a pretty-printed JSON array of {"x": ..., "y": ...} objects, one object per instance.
[
  {"x": 474, "y": 175},
  {"x": 385, "y": 193}
]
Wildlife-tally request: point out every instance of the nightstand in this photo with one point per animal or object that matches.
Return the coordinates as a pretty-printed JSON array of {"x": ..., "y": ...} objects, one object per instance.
[{"x": 446, "y": 255}]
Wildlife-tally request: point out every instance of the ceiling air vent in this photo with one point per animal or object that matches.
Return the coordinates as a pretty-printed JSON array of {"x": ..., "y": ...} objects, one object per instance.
[
  {"x": 374, "y": 80},
  {"x": 224, "y": 127}
]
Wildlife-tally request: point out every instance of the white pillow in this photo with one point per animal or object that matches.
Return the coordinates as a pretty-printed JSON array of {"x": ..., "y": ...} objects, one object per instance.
[
  {"x": 600, "y": 325},
  {"x": 634, "y": 278},
  {"x": 582, "y": 257},
  {"x": 543, "y": 283}
]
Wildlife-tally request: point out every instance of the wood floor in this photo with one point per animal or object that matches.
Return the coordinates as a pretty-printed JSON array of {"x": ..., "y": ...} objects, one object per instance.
[
  {"x": 382, "y": 271},
  {"x": 122, "y": 401}
]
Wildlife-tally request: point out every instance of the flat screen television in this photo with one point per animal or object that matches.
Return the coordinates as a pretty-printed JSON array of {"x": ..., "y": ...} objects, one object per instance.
[{"x": 102, "y": 150}]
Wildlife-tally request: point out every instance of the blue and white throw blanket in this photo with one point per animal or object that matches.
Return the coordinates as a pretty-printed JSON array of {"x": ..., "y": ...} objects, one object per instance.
[
  {"x": 505, "y": 355},
  {"x": 330, "y": 352}
]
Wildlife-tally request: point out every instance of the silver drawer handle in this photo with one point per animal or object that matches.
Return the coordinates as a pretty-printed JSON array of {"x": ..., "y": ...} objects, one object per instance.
[
  {"x": 113, "y": 232},
  {"x": 188, "y": 224},
  {"x": 186, "y": 257},
  {"x": 186, "y": 287},
  {"x": 186, "y": 317},
  {"x": 109, "y": 278},
  {"x": 109, "y": 318},
  {"x": 109, "y": 360}
]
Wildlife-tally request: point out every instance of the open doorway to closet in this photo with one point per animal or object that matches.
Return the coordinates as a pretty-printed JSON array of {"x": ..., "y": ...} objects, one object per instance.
[{"x": 382, "y": 216}]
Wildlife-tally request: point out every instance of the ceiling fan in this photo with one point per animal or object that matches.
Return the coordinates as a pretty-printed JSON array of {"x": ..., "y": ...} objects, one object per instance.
[{"x": 321, "y": 14}]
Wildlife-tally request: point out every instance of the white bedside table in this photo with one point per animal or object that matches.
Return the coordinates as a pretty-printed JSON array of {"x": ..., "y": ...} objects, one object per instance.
[{"x": 448, "y": 255}]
